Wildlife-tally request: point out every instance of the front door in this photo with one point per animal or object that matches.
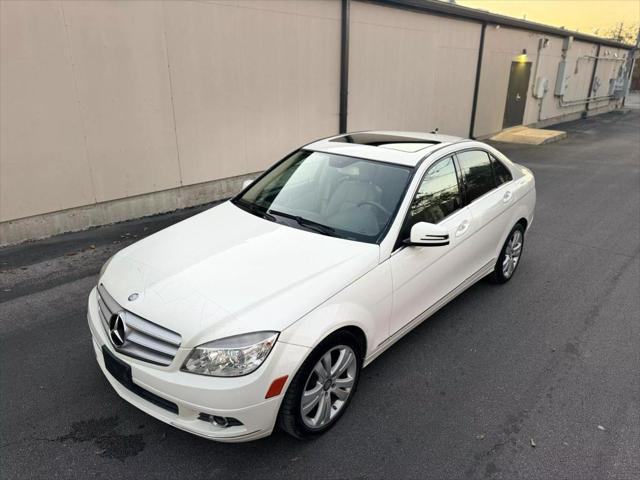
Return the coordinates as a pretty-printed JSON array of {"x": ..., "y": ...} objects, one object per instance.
[
  {"x": 424, "y": 275},
  {"x": 516, "y": 94}
]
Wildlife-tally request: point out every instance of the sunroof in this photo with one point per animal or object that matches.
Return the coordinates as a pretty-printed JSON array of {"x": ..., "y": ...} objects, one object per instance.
[
  {"x": 395, "y": 142},
  {"x": 408, "y": 147}
]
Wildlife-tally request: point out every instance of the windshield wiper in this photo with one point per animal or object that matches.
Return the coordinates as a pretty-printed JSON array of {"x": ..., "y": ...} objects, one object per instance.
[
  {"x": 255, "y": 209},
  {"x": 305, "y": 222},
  {"x": 318, "y": 227}
]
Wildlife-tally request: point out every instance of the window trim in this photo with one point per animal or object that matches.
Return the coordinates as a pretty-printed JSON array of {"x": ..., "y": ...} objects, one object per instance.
[
  {"x": 493, "y": 174},
  {"x": 399, "y": 241}
]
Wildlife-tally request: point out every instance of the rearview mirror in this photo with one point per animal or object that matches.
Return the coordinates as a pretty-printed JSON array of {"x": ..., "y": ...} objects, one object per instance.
[
  {"x": 246, "y": 183},
  {"x": 425, "y": 234}
]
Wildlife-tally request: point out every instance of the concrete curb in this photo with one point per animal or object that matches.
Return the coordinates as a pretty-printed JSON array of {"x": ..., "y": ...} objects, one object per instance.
[{"x": 529, "y": 136}]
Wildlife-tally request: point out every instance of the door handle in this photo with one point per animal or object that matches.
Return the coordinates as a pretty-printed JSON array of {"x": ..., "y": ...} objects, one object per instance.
[
  {"x": 517, "y": 96},
  {"x": 508, "y": 195},
  {"x": 462, "y": 228}
]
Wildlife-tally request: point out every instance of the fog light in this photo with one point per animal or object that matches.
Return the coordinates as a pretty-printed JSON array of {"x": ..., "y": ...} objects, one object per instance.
[{"x": 219, "y": 421}]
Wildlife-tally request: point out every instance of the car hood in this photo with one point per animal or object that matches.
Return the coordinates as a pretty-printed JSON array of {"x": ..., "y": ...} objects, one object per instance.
[{"x": 225, "y": 272}]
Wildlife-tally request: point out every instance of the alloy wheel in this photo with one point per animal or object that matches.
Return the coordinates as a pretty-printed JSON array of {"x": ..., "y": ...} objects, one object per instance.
[
  {"x": 512, "y": 254},
  {"x": 328, "y": 386}
]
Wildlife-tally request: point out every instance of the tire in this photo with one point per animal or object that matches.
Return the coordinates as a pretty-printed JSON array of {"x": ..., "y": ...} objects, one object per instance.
[
  {"x": 292, "y": 419},
  {"x": 505, "y": 267}
]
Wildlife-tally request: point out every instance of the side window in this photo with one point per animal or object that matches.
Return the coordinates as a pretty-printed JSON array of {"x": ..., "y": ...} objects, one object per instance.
[
  {"x": 501, "y": 172},
  {"x": 476, "y": 172},
  {"x": 438, "y": 195}
]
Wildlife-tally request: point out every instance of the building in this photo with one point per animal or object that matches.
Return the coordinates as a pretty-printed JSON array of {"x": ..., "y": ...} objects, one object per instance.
[{"x": 114, "y": 110}]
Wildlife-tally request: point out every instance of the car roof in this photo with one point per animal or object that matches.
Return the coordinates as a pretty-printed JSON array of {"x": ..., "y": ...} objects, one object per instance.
[{"x": 403, "y": 148}]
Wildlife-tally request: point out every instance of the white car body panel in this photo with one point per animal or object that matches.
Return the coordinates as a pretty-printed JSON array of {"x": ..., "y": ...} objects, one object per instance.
[
  {"x": 176, "y": 273},
  {"x": 412, "y": 304},
  {"x": 226, "y": 272},
  {"x": 195, "y": 394},
  {"x": 422, "y": 276}
]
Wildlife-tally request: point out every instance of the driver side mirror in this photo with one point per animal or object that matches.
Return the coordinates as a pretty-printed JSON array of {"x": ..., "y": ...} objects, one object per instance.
[
  {"x": 425, "y": 234},
  {"x": 246, "y": 183}
]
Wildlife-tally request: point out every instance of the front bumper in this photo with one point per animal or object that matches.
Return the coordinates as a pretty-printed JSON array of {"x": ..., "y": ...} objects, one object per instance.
[{"x": 241, "y": 398}]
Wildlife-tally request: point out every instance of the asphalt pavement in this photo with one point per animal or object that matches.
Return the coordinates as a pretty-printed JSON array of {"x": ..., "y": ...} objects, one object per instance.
[{"x": 536, "y": 379}]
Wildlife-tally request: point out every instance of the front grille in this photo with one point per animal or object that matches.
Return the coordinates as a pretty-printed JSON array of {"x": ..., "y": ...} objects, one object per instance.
[{"x": 144, "y": 340}]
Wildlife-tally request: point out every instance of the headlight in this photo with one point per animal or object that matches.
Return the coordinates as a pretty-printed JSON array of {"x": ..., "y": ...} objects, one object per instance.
[
  {"x": 104, "y": 267},
  {"x": 232, "y": 356}
]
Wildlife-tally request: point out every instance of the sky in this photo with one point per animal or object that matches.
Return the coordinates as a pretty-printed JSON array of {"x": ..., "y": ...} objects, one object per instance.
[{"x": 582, "y": 15}]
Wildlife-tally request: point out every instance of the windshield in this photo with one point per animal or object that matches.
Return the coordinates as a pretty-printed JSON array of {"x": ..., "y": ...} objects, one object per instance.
[{"x": 330, "y": 194}]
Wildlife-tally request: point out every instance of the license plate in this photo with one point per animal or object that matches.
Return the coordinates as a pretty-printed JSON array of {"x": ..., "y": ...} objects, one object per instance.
[{"x": 117, "y": 368}]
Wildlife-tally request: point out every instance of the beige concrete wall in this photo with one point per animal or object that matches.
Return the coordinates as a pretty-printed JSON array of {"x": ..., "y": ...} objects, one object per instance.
[
  {"x": 116, "y": 109},
  {"x": 264, "y": 80},
  {"x": 608, "y": 67},
  {"x": 580, "y": 70},
  {"x": 106, "y": 100},
  {"x": 104, "y": 213},
  {"x": 43, "y": 155},
  {"x": 502, "y": 45},
  {"x": 410, "y": 71}
]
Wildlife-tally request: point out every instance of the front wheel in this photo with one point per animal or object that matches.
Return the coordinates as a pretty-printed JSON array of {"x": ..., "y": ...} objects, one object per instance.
[
  {"x": 323, "y": 387},
  {"x": 510, "y": 255}
]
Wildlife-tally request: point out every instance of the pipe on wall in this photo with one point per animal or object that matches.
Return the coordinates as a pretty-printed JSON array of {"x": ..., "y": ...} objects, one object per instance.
[
  {"x": 593, "y": 75},
  {"x": 603, "y": 58},
  {"x": 584, "y": 101},
  {"x": 542, "y": 43},
  {"x": 572, "y": 103},
  {"x": 476, "y": 87},
  {"x": 344, "y": 67},
  {"x": 596, "y": 58}
]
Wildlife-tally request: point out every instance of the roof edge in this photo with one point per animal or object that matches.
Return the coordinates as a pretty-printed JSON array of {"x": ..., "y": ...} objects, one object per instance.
[{"x": 459, "y": 11}]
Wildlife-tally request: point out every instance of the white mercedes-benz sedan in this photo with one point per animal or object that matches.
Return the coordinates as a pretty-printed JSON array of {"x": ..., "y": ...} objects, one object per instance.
[{"x": 263, "y": 310}]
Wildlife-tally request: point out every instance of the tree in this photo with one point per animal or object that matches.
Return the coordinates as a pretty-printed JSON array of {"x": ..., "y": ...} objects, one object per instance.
[{"x": 625, "y": 33}]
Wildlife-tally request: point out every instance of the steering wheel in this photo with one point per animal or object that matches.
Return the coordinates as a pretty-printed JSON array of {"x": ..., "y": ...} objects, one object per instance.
[{"x": 377, "y": 205}]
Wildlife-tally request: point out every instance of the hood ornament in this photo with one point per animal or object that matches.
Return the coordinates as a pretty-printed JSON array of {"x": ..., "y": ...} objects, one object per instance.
[
  {"x": 118, "y": 329},
  {"x": 133, "y": 296}
]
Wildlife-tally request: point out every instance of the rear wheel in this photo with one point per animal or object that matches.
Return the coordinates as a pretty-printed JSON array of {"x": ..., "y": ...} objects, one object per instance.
[
  {"x": 323, "y": 387},
  {"x": 510, "y": 255}
]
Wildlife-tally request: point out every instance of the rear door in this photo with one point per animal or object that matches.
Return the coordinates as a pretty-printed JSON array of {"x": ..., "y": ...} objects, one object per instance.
[{"x": 488, "y": 190}]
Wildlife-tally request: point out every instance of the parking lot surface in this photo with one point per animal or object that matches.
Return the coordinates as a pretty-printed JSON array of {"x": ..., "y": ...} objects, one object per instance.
[{"x": 535, "y": 379}]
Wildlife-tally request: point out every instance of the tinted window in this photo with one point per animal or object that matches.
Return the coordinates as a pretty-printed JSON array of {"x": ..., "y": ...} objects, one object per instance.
[
  {"x": 502, "y": 173},
  {"x": 438, "y": 195},
  {"x": 477, "y": 173}
]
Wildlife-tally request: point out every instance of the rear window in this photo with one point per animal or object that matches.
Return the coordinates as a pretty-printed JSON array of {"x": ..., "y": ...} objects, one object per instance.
[
  {"x": 476, "y": 172},
  {"x": 501, "y": 172}
]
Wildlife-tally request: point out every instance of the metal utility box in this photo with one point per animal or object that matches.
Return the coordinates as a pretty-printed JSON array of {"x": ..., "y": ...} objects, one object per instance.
[
  {"x": 562, "y": 79},
  {"x": 566, "y": 43},
  {"x": 541, "y": 88}
]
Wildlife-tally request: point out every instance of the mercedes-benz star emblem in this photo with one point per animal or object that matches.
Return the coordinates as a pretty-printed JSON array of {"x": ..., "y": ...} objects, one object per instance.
[
  {"x": 133, "y": 297},
  {"x": 117, "y": 329}
]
